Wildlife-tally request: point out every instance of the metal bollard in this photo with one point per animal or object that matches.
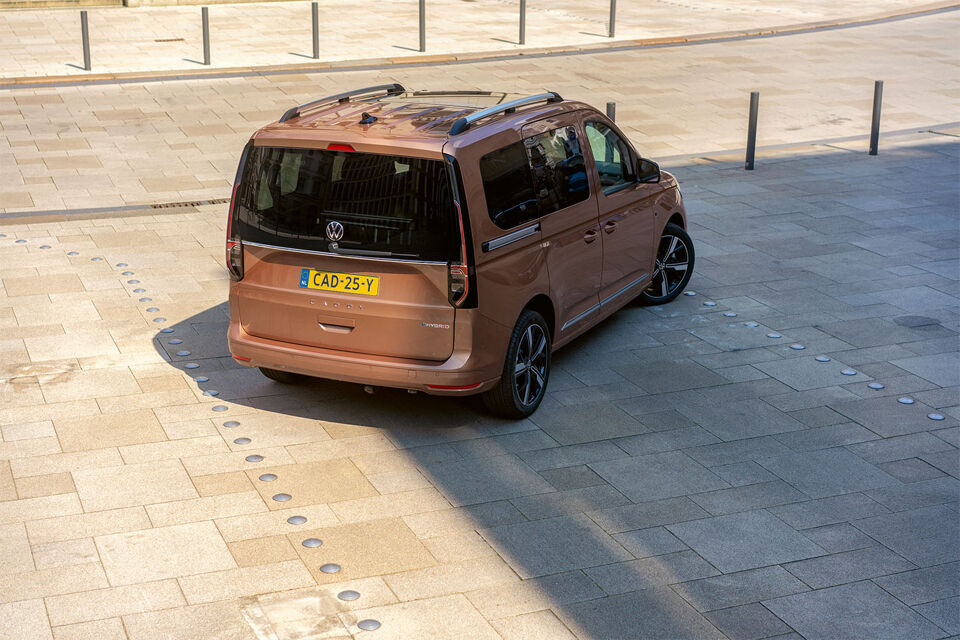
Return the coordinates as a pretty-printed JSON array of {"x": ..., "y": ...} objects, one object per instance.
[
  {"x": 875, "y": 124},
  {"x": 423, "y": 25},
  {"x": 205, "y": 19},
  {"x": 752, "y": 130},
  {"x": 315, "y": 15},
  {"x": 612, "y": 111},
  {"x": 85, "y": 35},
  {"x": 523, "y": 21},
  {"x": 613, "y": 17}
]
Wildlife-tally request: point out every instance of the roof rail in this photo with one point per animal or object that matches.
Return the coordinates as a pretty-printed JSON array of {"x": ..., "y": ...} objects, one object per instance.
[
  {"x": 464, "y": 123},
  {"x": 390, "y": 89}
]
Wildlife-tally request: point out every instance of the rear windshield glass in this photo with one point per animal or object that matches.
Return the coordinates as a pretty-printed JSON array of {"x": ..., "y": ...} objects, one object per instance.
[{"x": 347, "y": 202}]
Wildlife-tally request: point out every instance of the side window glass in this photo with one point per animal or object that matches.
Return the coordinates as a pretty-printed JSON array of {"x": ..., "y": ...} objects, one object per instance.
[
  {"x": 612, "y": 156},
  {"x": 508, "y": 186},
  {"x": 559, "y": 173}
]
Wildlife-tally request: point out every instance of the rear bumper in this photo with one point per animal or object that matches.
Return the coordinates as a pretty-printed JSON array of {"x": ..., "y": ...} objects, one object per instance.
[{"x": 461, "y": 374}]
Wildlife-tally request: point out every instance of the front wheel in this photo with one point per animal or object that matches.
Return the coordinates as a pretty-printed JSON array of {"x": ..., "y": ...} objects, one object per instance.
[
  {"x": 526, "y": 370},
  {"x": 673, "y": 267}
]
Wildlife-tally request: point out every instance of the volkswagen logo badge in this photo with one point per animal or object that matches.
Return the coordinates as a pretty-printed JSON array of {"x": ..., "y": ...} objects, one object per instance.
[{"x": 334, "y": 230}]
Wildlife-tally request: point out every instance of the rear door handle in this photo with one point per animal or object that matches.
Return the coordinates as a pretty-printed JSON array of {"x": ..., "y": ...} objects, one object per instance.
[
  {"x": 610, "y": 226},
  {"x": 589, "y": 235}
]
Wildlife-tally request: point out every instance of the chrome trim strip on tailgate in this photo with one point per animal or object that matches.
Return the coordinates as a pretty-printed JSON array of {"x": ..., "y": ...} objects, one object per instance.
[{"x": 338, "y": 255}]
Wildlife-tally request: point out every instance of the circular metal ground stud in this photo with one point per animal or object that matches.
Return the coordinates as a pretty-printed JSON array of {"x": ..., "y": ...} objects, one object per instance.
[
  {"x": 230, "y": 424},
  {"x": 133, "y": 282},
  {"x": 44, "y": 246},
  {"x": 127, "y": 273},
  {"x": 774, "y": 335},
  {"x": 21, "y": 242},
  {"x": 905, "y": 400},
  {"x": 146, "y": 299},
  {"x": 689, "y": 293},
  {"x": 822, "y": 359},
  {"x": 348, "y": 595},
  {"x": 192, "y": 365},
  {"x": 183, "y": 354},
  {"x": 73, "y": 253},
  {"x": 312, "y": 543},
  {"x": 330, "y": 567},
  {"x": 96, "y": 259},
  {"x": 211, "y": 392},
  {"x": 797, "y": 347},
  {"x": 3, "y": 235},
  {"x": 709, "y": 304},
  {"x": 176, "y": 341},
  {"x": 876, "y": 386},
  {"x": 268, "y": 477},
  {"x": 369, "y": 624},
  {"x": 122, "y": 264},
  {"x": 849, "y": 372},
  {"x": 166, "y": 330},
  {"x": 242, "y": 441},
  {"x": 296, "y": 520},
  {"x": 202, "y": 379},
  {"x": 283, "y": 497},
  {"x": 159, "y": 319},
  {"x": 254, "y": 458},
  {"x": 729, "y": 314},
  {"x": 139, "y": 290},
  {"x": 936, "y": 416},
  {"x": 153, "y": 309},
  {"x": 220, "y": 407},
  {"x": 752, "y": 324}
]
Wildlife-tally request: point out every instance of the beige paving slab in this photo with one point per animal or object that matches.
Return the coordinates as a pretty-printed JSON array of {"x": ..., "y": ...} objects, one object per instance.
[
  {"x": 275, "y": 429},
  {"x": 390, "y": 506},
  {"x": 28, "y": 430},
  {"x": 222, "y": 483},
  {"x": 426, "y": 619},
  {"x": 15, "y": 556},
  {"x": 236, "y": 461},
  {"x": 24, "y": 619},
  {"x": 46, "y": 485},
  {"x": 108, "y": 629},
  {"x": 249, "y": 553},
  {"x": 37, "y": 465},
  {"x": 88, "y": 384},
  {"x": 109, "y": 430},
  {"x": 219, "y": 620},
  {"x": 448, "y": 578},
  {"x": 236, "y": 583},
  {"x": 274, "y": 522},
  {"x": 112, "y": 602},
  {"x": 540, "y": 625},
  {"x": 71, "y": 345},
  {"x": 8, "y": 488},
  {"x": 164, "y": 552},
  {"x": 205, "y": 508},
  {"x": 457, "y": 547},
  {"x": 65, "y": 553},
  {"x": 14, "y": 511},
  {"x": 330, "y": 450},
  {"x": 168, "y": 450},
  {"x": 41, "y": 284},
  {"x": 25, "y": 448},
  {"x": 50, "y": 582},
  {"x": 129, "y": 485},
  {"x": 87, "y": 525},
  {"x": 312, "y": 483}
]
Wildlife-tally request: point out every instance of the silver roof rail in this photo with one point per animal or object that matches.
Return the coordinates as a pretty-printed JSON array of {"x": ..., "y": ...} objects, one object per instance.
[
  {"x": 464, "y": 123},
  {"x": 389, "y": 89}
]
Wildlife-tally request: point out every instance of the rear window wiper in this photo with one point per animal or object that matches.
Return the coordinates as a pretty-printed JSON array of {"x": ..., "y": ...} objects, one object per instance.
[{"x": 373, "y": 254}]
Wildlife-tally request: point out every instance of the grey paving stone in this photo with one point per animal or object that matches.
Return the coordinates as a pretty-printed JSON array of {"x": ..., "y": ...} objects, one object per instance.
[
  {"x": 548, "y": 505},
  {"x": 839, "y": 537},
  {"x": 900, "y": 447},
  {"x": 827, "y": 472},
  {"x": 910, "y": 299},
  {"x": 586, "y": 422},
  {"x": 475, "y": 480},
  {"x": 739, "y": 420},
  {"x": 733, "y": 338},
  {"x": 946, "y": 461},
  {"x": 834, "y": 435},
  {"x": 885, "y": 416},
  {"x": 872, "y": 332},
  {"x": 818, "y": 416},
  {"x": 655, "y": 541},
  {"x": 818, "y": 513},
  {"x": 651, "y": 572},
  {"x": 858, "y": 610},
  {"x": 848, "y": 566},
  {"x": 740, "y": 474},
  {"x": 940, "y": 369},
  {"x": 744, "y": 541},
  {"x": 670, "y": 420},
  {"x": 911, "y": 470},
  {"x": 806, "y": 373},
  {"x": 669, "y": 375},
  {"x": 924, "y": 585},
  {"x": 748, "y": 622},
  {"x": 918, "y": 494},
  {"x": 567, "y": 478},
  {"x": 649, "y": 613},
  {"x": 572, "y": 455},
  {"x": 647, "y": 514},
  {"x": 943, "y": 613},
  {"x": 938, "y": 398},
  {"x": 666, "y": 440},
  {"x": 744, "y": 587},
  {"x": 737, "y": 451},
  {"x": 925, "y": 536},
  {"x": 809, "y": 399},
  {"x": 749, "y": 497},
  {"x": 657, "y": 476},
  {"x": 552, "y": 545}
]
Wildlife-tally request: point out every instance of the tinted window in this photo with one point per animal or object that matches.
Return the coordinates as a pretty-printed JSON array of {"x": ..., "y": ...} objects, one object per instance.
[
  {"x": 508, "y": 186},
  {"x": 559, "y": 175},
  {"x": 390, "y": 206},
  {"x": 612, "y": 155}
]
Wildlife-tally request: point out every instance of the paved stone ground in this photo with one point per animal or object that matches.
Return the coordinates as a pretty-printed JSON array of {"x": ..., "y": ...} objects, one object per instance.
[
  {"x": 47, "y": 41},
  {"x": 113, "y": 145},
  {"x": 687, "y": 477}
]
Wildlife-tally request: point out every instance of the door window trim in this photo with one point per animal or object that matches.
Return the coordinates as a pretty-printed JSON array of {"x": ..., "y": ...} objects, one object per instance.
[{"x": 609, "y": 191}]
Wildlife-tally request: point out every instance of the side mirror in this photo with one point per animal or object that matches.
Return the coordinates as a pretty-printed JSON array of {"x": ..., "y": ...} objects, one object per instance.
[{"x": 648, "y": 171}]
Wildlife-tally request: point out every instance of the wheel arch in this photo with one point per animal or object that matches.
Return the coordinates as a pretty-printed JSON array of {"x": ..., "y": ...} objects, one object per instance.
[
  {"x": 677, "y": 219},
  {"x": 542, "y": 304}
]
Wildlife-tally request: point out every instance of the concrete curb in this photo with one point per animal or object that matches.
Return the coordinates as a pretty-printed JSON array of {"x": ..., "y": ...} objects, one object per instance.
[{"x": 475, "y": 56}]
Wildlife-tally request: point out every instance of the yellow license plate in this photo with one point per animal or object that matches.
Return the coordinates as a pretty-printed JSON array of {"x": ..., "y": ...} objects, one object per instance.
[{"x": 343, "y": 282}]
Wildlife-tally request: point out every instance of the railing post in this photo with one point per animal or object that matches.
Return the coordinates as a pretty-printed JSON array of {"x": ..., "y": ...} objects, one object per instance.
[
  {"x": 752, "y": 130},
  {"x": 523, "y": 21},
  {"x": 85, "y": 35},
  {"x": 423, "y": 25},
  {"x": 875, "y": 123},
  {"x": 613, "y": 17},
  {"x": 612, "y": 111},
  {"x": 205, "y": 20},
  {"x": 315, "y": 16}
]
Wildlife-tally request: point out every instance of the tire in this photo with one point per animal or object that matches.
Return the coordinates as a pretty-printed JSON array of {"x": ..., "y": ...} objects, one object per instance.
[
  {"x": 523, "y": 383},
  {"x": 283, "y": 377},
  {"x": 673, "y": 267}
]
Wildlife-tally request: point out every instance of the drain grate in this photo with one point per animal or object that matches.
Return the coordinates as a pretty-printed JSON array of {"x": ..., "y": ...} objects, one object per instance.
[
  {"x": 169, "y": 40},
  {"x": 192, "y": 203}
]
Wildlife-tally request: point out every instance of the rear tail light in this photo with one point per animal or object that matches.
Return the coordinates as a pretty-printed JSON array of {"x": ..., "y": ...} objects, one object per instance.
[
  {"x": 234, "y": 245},
  {"x": 458, "y": 276}
]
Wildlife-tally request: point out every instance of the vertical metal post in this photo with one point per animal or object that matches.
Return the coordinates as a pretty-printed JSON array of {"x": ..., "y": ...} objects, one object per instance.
[
  {"x": 315, "y": 15},
  {"x": 205, "y": 19},
  {"x": 613, "y": 17},
  {"x": 85, "y": 34},
  {"x": 423, "y": 25},
  {"x": 752, "y": 130},
  {"x": 523, "y": 21},
  {"x": 612, "y": 111},
  {"x": 875, "y": 124}
]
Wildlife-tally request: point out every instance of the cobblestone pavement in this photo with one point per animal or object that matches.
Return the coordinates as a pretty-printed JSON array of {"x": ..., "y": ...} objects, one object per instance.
[
  {"x": 113, "y": 145},
  {"x": 47, "y": 41},
  {"x": 693, "y": 473}
]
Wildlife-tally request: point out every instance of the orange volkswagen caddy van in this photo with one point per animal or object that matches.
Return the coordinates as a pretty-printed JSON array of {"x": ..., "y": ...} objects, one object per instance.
[{"x": 443, "y": 241}]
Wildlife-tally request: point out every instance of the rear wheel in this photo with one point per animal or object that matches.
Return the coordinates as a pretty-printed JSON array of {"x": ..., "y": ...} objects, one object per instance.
[
  {"x": 526, "y": 370},
  {"x": 673, "y": 268},
  {"x": 283, "y": 377}
]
